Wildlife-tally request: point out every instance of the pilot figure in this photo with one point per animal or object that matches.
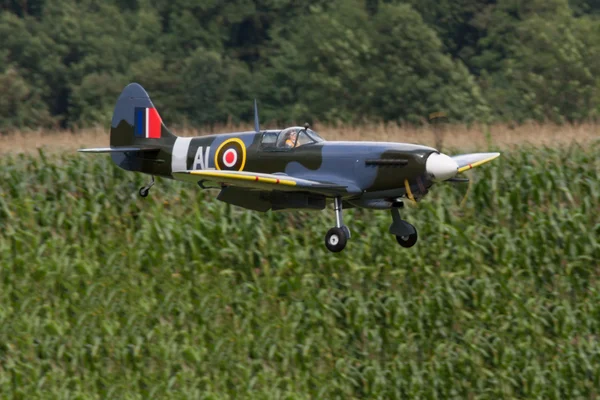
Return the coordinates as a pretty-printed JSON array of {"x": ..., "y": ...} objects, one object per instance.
[{"x": 291, "y": 139}]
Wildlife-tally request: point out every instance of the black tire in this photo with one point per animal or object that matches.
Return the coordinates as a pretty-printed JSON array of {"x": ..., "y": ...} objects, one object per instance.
[
  {"x": 336, "y": 240},
  {"x": 144, "y": 191},
  {"x": 407, "y": 241}
]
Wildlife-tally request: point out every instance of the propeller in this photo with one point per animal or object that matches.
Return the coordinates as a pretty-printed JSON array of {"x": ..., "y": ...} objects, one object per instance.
[
  {"x": 466, "y": 162},
  {"x": 443, "y": 168}
]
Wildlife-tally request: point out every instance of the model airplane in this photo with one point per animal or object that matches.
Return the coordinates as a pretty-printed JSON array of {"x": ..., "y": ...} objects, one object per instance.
[{"x": 293, "y": 168}]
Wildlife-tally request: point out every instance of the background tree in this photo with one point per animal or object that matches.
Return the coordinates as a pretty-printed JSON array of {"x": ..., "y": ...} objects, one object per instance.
[
  {"x": 414, "y": 76},
  {"x": 539, "y": 62},
  {"x": 62, "y": 63}
]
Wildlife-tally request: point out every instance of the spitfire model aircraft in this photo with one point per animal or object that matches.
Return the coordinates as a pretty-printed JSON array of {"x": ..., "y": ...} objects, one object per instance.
[{"x": 280, "y": 169}]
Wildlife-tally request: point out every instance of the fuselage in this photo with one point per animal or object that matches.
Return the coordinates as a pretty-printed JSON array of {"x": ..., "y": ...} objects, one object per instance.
[{"x": 369, "y": 169}]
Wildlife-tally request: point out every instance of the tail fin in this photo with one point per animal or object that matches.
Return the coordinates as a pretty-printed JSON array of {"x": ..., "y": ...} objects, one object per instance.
[
  {"x": 136, "y": 121},
  {"x": 139, "y": 140}
]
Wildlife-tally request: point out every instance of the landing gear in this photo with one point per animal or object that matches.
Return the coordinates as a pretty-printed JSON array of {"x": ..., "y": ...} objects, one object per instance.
[
  {"x": 337, "y": 237},
  {"x": 406, "y": 234},
  {"x": 145, "y": 190},
  {"x": 336, "y": 240},
  {"x": 407, "y": 241}
]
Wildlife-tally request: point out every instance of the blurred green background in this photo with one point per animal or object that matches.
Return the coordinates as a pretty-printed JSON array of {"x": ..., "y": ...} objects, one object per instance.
[{"x": 64, "y": 62}]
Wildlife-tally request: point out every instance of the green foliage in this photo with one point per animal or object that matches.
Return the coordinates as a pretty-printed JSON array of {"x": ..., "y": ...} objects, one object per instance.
[
  {"x": 319, "y": 65},
  {"x": 322, "y": 71},
  {"x": 341, "y": 60},
  {"x": 550, "y": 66},
  {"x": 457, "y": 23},
  {"x": 107, "y": 295},
  {"x": 416, "y": 78},
  {"x": 20, "y": 105}
]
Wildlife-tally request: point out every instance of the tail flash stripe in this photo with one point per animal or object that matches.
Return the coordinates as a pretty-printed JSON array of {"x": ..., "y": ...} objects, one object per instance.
[
  {"x": 140, "y": 121},
  {"x": 154, "y": 124},
  {"x": 147, "y": 123}
]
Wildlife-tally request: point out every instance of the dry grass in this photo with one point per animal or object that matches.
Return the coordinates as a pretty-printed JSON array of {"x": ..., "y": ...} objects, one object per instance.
[{"x": 452, "y": 136}]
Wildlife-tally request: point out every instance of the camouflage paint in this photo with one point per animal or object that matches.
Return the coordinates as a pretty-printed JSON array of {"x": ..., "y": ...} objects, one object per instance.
[{"x": 369, "y": 170}]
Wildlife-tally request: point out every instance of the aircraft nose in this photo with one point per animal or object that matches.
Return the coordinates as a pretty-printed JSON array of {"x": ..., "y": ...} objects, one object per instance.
[{"x": 441, "y": 167}]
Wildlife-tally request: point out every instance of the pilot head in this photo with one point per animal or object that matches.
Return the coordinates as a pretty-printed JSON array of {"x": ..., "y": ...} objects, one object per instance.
[{"x": 291, "y": 140}]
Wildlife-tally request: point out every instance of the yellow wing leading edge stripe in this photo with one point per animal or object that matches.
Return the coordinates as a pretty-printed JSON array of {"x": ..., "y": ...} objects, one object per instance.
[
  {"x": 478, "y": 163},
  {"x": 254, "y": 178}
]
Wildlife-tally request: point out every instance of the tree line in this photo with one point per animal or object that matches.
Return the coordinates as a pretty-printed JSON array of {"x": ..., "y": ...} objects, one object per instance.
[{"x": 64, "y": 62}]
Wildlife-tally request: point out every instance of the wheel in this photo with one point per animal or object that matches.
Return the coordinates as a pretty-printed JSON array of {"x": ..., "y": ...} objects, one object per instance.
[
  {"x": 336, "y": 240},
  {"x": 407, "y": 241},
  {"x": 144, "y": 191}
]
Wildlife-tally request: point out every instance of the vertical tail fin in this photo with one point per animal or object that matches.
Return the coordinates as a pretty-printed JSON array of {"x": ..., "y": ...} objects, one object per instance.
[
  {"x": 136, "y": 121},
  {"x": 139, "y": 140}
]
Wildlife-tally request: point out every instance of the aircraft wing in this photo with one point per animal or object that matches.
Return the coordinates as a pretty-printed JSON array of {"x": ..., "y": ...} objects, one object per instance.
[
  {"x": 467, "y": 161},
  {"x": 260, "y": 181}
]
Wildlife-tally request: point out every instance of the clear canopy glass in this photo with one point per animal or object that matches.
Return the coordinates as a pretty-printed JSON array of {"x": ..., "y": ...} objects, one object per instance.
[{"x": 295, "y": 137}]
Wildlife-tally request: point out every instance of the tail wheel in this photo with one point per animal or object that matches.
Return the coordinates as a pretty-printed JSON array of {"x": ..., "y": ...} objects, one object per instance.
[
  {"x": 407, "y": 241},
  {"x": 144, "y": 191},
  {"x": 336, "y": 240}
]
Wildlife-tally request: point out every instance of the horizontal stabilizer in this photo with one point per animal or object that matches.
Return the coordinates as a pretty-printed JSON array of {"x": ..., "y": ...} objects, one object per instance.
[
  {"x": 120, "y": 149},
  {"x": 466, "y": 162}
]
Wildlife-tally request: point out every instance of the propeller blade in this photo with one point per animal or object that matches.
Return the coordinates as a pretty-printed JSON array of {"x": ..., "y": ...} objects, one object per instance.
[
  {"x": 458, "y": 180},
  {"x": 466, "y": 162},
  {"x": 409, "y": 193}
]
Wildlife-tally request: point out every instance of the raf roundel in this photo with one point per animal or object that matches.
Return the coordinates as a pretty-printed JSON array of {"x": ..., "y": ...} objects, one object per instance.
[{"x": 231, "y": 155}]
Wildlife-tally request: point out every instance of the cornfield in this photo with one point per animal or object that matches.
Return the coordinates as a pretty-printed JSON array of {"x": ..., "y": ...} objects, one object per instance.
[{"x": 104, "y": 294}]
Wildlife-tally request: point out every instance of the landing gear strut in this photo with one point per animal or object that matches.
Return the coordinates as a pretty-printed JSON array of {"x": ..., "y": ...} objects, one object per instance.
[
  {"x": 406, "y": 234},
  {"x": 337, "y": 237},
  {"x": 144, "y": 190}
]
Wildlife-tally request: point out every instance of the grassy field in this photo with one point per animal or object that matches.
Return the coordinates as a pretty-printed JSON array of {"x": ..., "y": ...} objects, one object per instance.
[{"x": 107, "y": 295}]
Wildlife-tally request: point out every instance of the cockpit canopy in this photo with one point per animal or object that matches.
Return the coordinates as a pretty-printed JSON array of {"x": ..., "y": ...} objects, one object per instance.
[{"x": 290, "y": 138}]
